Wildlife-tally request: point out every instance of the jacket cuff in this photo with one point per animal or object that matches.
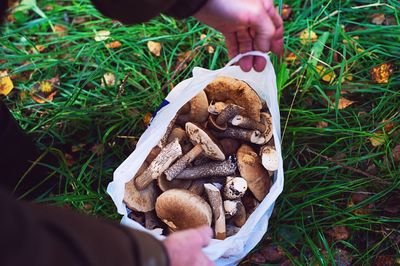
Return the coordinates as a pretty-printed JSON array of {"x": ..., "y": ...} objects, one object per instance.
[{"x": 183, "y": 8}]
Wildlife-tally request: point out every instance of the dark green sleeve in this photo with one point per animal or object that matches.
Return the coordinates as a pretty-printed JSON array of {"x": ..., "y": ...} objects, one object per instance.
[
  {"x": 133, "y": 12},
  {"x": 42, "y": 235}
]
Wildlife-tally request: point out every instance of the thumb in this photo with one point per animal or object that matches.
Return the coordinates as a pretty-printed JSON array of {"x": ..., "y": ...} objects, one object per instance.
[{"x": 201, "y": 236}]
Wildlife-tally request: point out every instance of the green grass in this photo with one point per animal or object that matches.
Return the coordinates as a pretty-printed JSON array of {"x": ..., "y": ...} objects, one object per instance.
[{"x": 317, "y": 191}]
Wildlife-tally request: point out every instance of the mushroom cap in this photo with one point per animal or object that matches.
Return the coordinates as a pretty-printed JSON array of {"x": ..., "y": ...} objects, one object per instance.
[
  {"x": 198, "y": 112},
  {"x": 235, "y": 187},
  {"x": 211, "y": 123},
  {"x": 230, "y": 90},
  {"x": 266, "y": 119},
  {"x": 251, "y": 169},
  {"x": 216, "y": 107},
  {"x": 140, "y": 200},
  {"x": 210, "y": 145},
  {"x": 181, "y": 209},
  {"x": 230, "y": 207},
  {"x": 165, "y": 185},
  {"x": 269, "y": 158}
]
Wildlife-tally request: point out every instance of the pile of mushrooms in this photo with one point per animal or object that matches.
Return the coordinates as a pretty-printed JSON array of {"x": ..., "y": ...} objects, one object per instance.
[{"x": 213, "y": 166}]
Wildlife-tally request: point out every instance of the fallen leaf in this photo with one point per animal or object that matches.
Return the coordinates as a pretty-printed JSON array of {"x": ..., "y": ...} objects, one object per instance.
[
  {"x": 98, "y": 149},
  {"x": 6, "y": 84},
  {"x": 108, "y": 80},
  {"x": 381, "y": 74},
  {"x": 113, "y": 45},
  {"x": 325, "y": 73},
  {"x": 377, "y": 139},
  {"x": 60, "y": 30},
  {"x": 388, "y": 125},
  {"x": 210, "y": 49},
  {"x": 147, "y": 119},
  {"x": 357, "y": 198},
  {"x": 291, "y": 58},
  {"x": 202, "y": 36},
  {"x": 268, "y": 254},
  {"x": 396, "y": 153},
  {"x": 78, "y": 147},
  {"x": 79, "y": 20},
  {"x": 154, "y": 47},
  {"x": 378, "y": 19},
  {"x": 343, "y": 103},
  {"x": 392, "y": 205},
  {"x": 338, "y": 233},
  {"x": 38, "y": 49},
  {"x": 342, "y": 257},
  {"x": 69, "y": 159},
  {"x": 390, "y": 20},
  {"x": 321, "y": 124},
  {"x": 101, "y": 35},
  {"x": 307, "y": 36},
  {"x": 44, "y": 91},
  {"x": 286, "y": 12}
]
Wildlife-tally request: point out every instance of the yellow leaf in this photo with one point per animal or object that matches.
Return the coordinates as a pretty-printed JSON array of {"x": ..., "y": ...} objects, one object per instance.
[
  {"x": 343, "y": 103},
  {"x": 210, "y": 49},
  {"x": 113, "y": 45},
  {"x": 6, "y": 84},
  {"x": 101, "y": 35},
  {"x": 154, "y": 47},
  {"x": 45, "y": 90},
  {"x": 60, "y": 30},
  {"x": 378, "y": 19},
  {"x": 108, "y": 80},
  {"x": 202, "y": 36},
  {"x": 377, "y": 139},
  {"x": 322, "y": 124},
  {"x": 326, "y": 74},
  {"x": 381, "y": 74},
  {"x": 307, "y": 36},
  {"x": 147, "y": 119}
]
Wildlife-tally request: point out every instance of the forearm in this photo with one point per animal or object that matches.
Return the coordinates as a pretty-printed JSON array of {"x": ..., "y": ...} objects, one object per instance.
[
  {"x": 133, "y": 12},
  {"x": 41, "y": 235}
]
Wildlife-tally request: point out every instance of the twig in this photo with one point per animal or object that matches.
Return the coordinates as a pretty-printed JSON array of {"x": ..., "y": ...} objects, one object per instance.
[
  {"x": 121, "y": 88},
  {"x": 374, "y": 177}
]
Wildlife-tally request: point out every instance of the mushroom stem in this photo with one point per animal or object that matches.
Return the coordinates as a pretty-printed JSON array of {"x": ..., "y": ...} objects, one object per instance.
[
  {"x": 216, "y": 107},
  {"x": 245, "y": 122},
  {"x": 224, "y": 168},
  {"x": 253, "y": 136},
  {"x": 151, "y": 220},
  {"x": 183, "y": 162},
  {"x": 215, "y": 200},
  {"x": 228, "y": 113},
  {"x": 167, "y": 155},
  {"x": 239, "y": 219}
]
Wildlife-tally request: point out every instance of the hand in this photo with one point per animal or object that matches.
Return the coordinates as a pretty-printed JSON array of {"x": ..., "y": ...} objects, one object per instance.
[
  {"x": 247, "y": 25},
  {"x": 184, "y": 247}
]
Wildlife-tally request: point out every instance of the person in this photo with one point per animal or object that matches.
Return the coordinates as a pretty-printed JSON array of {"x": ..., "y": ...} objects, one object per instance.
[{"x": 43, "y": 235}]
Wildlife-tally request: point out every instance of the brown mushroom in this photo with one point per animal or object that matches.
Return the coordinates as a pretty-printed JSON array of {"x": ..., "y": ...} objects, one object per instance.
[
  {"x": 140, "y": 200},
  {"x": 170, "y": 126},
  {"x": 164, "y": 159},
  {"x": 153, "y": 154},
  {"x": 215, "y": 200},
  {"x": 250, "y": 203},
  {"x": 211, "y": 169},
  {"x": 229, "y": 112},
  {"x": 253, "y": 136},
  {"x": 204, "y": 142},
  {"x": 229, "y": 146},
  {"x": 198, "y": 110},
  {"x": 181, "y": 209},
  {"x": 197, "y": 186},
  {"x": 137, "y": 217},
  {"x": 151, "y": 220},
  {"x": 212, "y": 124},
  {"x": 180, "y": 134},
  {"x": 240, "y": 217},
  {"x": 216, "y": 107},
  {"x": 230, "y": 90},
  {"x": 251, "y": 169},
  {"x": 266, "y": 119},
  {"x": 165, "y": 185},
  {"x": 248, "y": 123},
  {"x": 269, "y": 157}
]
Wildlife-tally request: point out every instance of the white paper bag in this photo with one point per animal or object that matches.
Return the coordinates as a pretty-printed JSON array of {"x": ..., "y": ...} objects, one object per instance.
[{"x": 231, "y": 250}]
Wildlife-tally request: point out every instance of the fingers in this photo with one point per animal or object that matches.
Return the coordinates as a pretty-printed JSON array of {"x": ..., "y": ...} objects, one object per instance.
[
  {"x": 200, "y": 237},
  {"x": 277, "y": 40},
  {"x": 264, "y": 32},
  {"x": 245, "y": 44},
  {"x": 231, "y": 44}
]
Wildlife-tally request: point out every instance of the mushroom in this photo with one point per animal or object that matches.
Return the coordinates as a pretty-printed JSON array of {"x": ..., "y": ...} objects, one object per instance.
[
  {"x": 164, "y": 159},
  {"x": 250, "y": 203},
  {"x": 239, "y": 219},
  {"x": 170, "y": 126},
  {"x": 251, "y": 169},
  {"x": 211, "y": 169},
  {"x": 245, "y": 122},
  {"x": 140, "y": 200},
  {"x": 230, "y": 208},
  {"x": 230, "y": 90},
  {"x": 215, "y": 200},
  {"x": 253, "y": 136},
  {"x": 137, "y": 217},
  {"x": 229, "y": 146},
  {"x": 197, "y": 186},
  {"x": 198, "y": 110},
  {"x": 269, "y": 157},
  {"x": 235, "y": 187},
  {"x": 153, "y": 154},
  {"x": 180, "y": 134},
  {"x": 229, "y": 112},
  {"x": 151, "y": 220},
  {"x": 266, "y": 119},
  {"x": 212, "y": 124},
  {"x": 203, "y": 142},
  {"x": 216, "y": 107},
  {"x": 181, "y": 209},
  {"x": 165, "y": 185}
]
